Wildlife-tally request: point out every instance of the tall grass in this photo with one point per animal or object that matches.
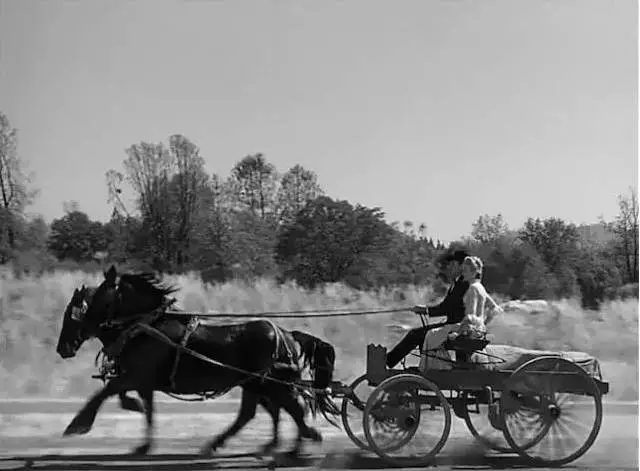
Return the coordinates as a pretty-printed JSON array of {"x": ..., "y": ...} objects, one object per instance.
[{"x": 31, "y": 311}]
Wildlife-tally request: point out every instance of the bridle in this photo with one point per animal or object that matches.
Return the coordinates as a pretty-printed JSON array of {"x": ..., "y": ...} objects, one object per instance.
[{"x": 78, "y": 313}]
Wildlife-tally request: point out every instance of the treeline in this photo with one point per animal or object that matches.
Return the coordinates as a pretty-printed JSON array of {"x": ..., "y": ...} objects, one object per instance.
[{"x": 258, "y": 222}]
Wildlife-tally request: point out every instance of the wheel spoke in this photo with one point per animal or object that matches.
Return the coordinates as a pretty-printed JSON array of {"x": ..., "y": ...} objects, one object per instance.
[
  {"x": 562, "y": 437},
  {"x": 411, "y": 438}
]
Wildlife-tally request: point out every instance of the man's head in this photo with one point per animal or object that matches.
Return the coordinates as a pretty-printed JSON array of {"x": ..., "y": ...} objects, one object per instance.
[{"x": 453, "y": 263}]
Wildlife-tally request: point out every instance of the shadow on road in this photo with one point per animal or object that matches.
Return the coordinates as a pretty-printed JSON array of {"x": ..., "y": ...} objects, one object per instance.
[{"x": 190, "y": 462}]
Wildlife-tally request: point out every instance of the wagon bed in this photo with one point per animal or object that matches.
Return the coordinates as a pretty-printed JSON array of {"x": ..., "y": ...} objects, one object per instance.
[{"x": 509, "y": 382}]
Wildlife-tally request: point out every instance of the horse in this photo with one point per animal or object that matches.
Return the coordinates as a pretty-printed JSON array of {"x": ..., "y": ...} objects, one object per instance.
[
  {"x": 256, "y": 355},
  {"x": 74, "y": 337}
]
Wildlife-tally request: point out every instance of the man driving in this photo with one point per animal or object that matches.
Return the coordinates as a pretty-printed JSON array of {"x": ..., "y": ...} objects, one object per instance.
[{"x": 452, "y": 306}]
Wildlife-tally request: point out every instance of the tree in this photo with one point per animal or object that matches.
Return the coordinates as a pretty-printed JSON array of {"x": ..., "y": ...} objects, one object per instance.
[
  {"x": 148, "y": 168},
  {"x": 114, "y": 181},
  {"x": 555, "y": 240},
  {"x": 597, "y": 276},
  {"x": 297, "y": 187},
  {"x": 187, "y": 187},
  {"x": 75, "y": 237},
  {"x": 558, "y": 244},
  {"x": 328, "y": 238},
  {"x": 408, "y": 260},
  {"x": 15, "y": 190},
  {"x": 212, "y": 251},
  {"x": 253, "y": 181},
  {"x": 488, "y": 229},
  {"x": 625, "y": 228},
  {"x": 530, "y": 276}
]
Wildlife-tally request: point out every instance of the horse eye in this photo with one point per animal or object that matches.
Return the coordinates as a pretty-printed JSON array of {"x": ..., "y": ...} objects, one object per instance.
[{"x": 76, "y": 313}]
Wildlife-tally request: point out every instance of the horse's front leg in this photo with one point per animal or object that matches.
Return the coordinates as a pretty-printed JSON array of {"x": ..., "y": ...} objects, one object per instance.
[
  {"x": 147, "y": 398},
  {"x": 83, "y": 421}
]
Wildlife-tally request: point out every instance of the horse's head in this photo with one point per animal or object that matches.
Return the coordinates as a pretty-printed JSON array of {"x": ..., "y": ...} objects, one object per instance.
[
  {"x": 73, "y": 334},
  {"x": 121, "y": 296}
]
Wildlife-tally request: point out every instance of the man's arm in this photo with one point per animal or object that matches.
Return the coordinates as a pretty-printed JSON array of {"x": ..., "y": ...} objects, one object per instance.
[
  {"x": 439, "y": 310},
  {"x": 442, "y": 308}
]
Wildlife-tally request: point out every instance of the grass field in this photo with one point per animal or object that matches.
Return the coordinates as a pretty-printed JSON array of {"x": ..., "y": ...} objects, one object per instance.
[{"x": 31, "y": 311}]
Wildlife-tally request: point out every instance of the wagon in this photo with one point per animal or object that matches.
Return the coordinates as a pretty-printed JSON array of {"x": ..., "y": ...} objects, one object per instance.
[{"x": 544, "y": 406}]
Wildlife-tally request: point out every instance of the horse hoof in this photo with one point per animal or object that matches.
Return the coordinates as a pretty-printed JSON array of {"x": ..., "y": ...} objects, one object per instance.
[
  {"x": 142, "y": 450},
  {"x": 76, "y": 429},
  {"x": 268, "y": 449},
  {"x": 208, "y": 451},
  {"x": 313, "y": 435}
]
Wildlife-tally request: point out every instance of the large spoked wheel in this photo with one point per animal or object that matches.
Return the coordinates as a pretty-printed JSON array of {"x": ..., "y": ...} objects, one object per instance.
[
  {"x": 407, "y": 420},
  {"x": 486, "y": 425},
  {"x": 352, "y": 411},
  {"x": 558, "y": 403}
]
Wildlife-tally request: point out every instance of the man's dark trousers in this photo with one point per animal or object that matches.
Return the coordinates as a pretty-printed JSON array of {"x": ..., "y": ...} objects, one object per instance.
[{"x": 413, "y": 339}]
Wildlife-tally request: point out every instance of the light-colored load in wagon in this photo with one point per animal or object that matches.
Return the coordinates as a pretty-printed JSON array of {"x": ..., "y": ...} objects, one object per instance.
[{"x": 496, "y": 357}]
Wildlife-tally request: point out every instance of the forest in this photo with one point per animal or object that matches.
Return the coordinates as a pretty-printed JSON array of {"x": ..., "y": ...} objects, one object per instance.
[{"x": 262, "y": 222}]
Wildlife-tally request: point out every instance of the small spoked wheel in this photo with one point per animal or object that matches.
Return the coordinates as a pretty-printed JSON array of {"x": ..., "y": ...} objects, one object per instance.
[
  {"x": 481, "y": 422},
  {"x": 551, "y": 410},
  {"x": 352, "y": 411},
  {"x": 407, "y": 420},
  {"x": 486, "y": 424}
]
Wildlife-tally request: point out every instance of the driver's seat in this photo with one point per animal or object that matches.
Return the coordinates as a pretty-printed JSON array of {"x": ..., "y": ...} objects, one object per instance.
[{"x": 464, "y": 346}]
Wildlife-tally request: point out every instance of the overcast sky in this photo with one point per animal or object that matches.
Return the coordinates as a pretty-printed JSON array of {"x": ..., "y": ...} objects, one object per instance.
[{"x": 436, "y": 111}]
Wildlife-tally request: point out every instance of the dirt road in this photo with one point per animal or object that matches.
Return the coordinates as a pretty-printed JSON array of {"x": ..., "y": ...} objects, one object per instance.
[{"x": 30, "y": 438}]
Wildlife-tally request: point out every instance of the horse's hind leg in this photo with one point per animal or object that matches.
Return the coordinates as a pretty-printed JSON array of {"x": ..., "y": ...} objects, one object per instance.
[
  {"x": 274, "y": 412},
  {"x": 248, "y": 407},
  {"x": 147, "y": 397},
  {"x": 130, "y": 403},
  {"x": 288, "y": 401}
]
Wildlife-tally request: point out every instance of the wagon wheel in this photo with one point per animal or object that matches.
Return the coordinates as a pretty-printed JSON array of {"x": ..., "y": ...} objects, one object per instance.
[
  {"x": 398, "y": 400},
  {"x": 407, "y": 404},
  {"x": 560, "y": 398},
  {"x": 483, "y": 430},
  {"x": 353, "y": 411},
  {"x": 488, "y": 432}
]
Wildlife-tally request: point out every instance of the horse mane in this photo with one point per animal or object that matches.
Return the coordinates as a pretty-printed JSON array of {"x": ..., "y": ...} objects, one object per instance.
[{"x": 148, "y": 283}]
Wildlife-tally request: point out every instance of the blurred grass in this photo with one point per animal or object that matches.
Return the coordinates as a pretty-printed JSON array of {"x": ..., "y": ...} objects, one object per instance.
[{"x": 31, "y": 311}]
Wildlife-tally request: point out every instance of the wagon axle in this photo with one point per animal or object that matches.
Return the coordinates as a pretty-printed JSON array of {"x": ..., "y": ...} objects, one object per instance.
[
  {"x": 408, "y": 422},
  {"x": 553, "y": 412}
]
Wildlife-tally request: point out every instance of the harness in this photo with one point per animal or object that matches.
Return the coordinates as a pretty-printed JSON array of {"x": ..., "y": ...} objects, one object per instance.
[
  {"x": 143, "y": 323},
  {"x": 193, "y": 324}
]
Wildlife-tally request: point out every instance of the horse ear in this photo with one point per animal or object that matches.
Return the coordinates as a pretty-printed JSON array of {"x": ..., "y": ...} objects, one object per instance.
[{"x": 111, "y": 274}]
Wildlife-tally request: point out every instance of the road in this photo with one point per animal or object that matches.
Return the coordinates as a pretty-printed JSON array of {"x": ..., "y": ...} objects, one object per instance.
[{"x": 30, "y": 438}]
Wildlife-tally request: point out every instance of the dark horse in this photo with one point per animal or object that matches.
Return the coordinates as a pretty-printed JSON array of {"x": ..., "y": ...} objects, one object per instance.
[{"x": 253, "y": 352}]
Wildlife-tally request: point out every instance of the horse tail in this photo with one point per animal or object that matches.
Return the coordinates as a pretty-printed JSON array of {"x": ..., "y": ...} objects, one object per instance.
[{"x": 320, "y": 357}]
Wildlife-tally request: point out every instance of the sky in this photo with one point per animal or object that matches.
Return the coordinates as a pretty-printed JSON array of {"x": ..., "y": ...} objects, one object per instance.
[{"x": 436, "y": 111}]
